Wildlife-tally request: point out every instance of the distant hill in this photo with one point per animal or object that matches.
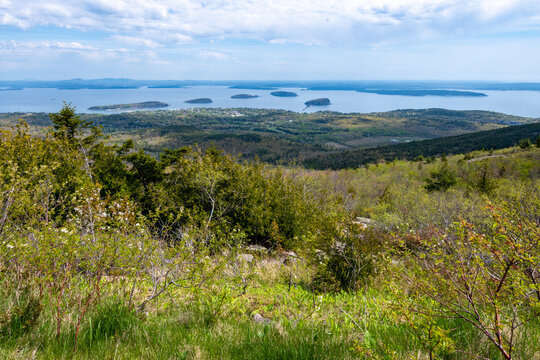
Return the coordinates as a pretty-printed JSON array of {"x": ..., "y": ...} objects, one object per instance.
[
  {"x": 113, "y": 83},
  {"x": 461, "y": 144}
]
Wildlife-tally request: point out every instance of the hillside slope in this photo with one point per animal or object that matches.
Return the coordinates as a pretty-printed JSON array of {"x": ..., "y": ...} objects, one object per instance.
[{"x": 491, "y": 139}]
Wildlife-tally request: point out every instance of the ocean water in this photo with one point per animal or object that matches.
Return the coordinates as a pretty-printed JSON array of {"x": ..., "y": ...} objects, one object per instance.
[{"x": 521, "y": 103}]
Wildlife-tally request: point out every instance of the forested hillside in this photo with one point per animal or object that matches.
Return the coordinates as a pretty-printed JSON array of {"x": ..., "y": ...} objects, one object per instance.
[
  {"x": 461, "y": 144},
  {"x": 280, "y": 136}
]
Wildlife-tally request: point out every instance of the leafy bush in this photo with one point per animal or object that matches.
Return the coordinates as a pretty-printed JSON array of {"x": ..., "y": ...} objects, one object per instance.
[
  {"x": 441, "y": 179},
  {"x": 348, "y": 262},
  {"x": 525, "y": 143},
  {"x": 489, "y": 280}
]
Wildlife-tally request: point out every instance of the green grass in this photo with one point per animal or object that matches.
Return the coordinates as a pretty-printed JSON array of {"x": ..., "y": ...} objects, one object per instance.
[
  {"x": 116, "y": 332},
  {"x": 214, "y": 320}
]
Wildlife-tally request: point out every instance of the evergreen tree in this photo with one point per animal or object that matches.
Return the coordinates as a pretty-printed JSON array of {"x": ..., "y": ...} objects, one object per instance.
[{"x": 69, "y": 126}]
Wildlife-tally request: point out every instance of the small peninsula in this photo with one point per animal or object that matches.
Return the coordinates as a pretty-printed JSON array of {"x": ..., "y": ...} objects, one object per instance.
[
  {"x": 283, "y": 94},
  {"x": 244, "y": 96},
  {"x": 199, "y": 101},
  {"x": 13, "y": 88},
  {"x": 252, "y": 87},
  {"x": 165, "y": 87},
  {"x": 133, "y": 106},
  {"x": 318, "y": 102},
  {"x": 414, "y": 92}
]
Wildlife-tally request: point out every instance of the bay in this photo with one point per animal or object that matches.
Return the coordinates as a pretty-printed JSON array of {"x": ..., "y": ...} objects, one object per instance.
[{"x": 520, "y": 103}]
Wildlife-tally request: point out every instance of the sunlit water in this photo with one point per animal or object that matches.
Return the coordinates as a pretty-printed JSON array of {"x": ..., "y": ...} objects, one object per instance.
[{"x": 522, "y": 103}]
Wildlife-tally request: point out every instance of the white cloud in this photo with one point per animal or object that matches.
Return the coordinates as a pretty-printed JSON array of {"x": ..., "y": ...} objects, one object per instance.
[
  {"x": 34, "y": 47},
  {"x": 270, "y": 38},
  {"x": 207, "y": 54},
  {"x": 68, "y": 46},
  {"x": 150, "y": 22},
  {"x": 181, "y": 38},
  {"x": 136, "y": 41}
]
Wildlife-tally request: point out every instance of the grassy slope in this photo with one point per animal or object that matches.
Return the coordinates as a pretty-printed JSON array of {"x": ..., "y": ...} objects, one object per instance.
[{"x": 214, "y": 320}]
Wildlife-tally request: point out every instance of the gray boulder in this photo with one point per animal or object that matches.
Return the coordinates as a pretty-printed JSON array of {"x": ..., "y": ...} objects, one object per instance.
[{"x": 261, "y": 319}]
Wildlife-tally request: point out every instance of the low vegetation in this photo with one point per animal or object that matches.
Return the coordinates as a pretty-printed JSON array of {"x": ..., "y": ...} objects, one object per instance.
[{"x": 108, "y": 252}]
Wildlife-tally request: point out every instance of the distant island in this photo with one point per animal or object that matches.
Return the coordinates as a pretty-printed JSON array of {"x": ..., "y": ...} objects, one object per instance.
[
  {"x": 96, "y": 87},
  {"x": 283, "y": 94},
  {"x": 165, "y": 87},
  {"x": 199, "y": 101},
  {"x": 318, "y": 102},
  {"x": 141, "y": 105},
  {"x": 252, "y": 87},
  {"x": 424, "y": 92},
  {"x": 244, "y": 96},
  {"x": 360, "y": 85},
  {"x": 12, "y": 89}
]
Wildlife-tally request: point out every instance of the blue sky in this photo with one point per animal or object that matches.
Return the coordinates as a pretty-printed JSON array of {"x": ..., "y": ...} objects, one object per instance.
[{"x": 271, "y": 39}]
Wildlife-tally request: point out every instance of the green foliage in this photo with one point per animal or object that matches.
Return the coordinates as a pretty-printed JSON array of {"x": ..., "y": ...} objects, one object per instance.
[
  {"x": 490, "y": 139},
  {"x": 278, "y": 136},
  {"x": 348, "y": 262},
  {"x": 441, "y": 179},
  {"x": 489, "y": 280},
  {"x": 525, "y": 143},
  {"x": 106, "y": 252},
  {"x": 216, "y": 193},
  {"x": 109, "y": 168},
  {"x": 481, "y": 178},
  {"x": 69, "y": 126}
]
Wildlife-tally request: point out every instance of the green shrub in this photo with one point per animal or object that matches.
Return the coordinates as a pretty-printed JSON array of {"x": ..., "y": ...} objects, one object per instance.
[
  {"x": 441, "y": 179},
  {"x": 488, "y": 279},
  {"x": 348, "y": 262},
  {"x": 525, "y": 143}
]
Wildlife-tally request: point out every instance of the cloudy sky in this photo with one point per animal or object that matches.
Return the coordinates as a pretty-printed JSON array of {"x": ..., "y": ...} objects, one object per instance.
[{"x": 271, "y": 39}]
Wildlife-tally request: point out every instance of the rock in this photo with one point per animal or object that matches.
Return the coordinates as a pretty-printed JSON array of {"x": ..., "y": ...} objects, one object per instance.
[
  {"x": 290, "y": 261},
  {"x": 339, "y": 247},
  {"x": 261, "y": 319},
  {"x": 256, "y": 249},
  {"x": 321, "y": 255},
  {"x": 364, "y": 222},
  {"x": 288, "y": 257},
  {"x": 247, "y": 258},
  {"x": 290, "y": 254}
]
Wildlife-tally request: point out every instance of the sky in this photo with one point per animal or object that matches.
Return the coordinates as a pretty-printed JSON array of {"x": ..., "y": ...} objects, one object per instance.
[{"x": 497, "y": 40}]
